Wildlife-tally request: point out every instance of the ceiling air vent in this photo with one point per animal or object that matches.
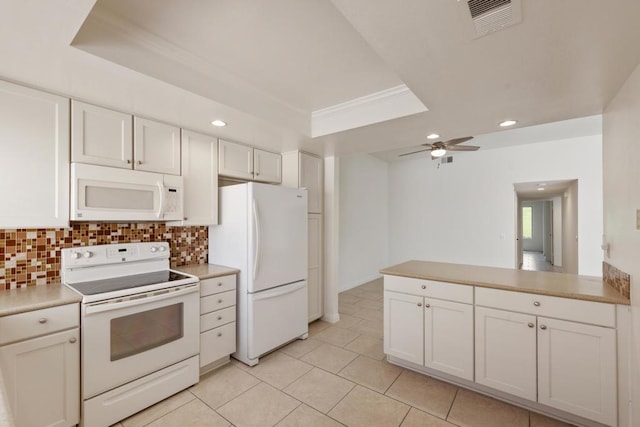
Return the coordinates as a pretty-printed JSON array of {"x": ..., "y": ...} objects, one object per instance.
[{"x": 488, "y": 16}]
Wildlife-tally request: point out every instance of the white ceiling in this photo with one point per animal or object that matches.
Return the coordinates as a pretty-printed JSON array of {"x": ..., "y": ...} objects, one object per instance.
[{"x": 283, "y": 59}]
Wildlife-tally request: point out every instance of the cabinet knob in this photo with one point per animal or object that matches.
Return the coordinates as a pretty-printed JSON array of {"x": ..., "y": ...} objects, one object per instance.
[
  {"x": 219, "y": 334},
  {"x": 219, "y": 301},
  {"x": 424, "y": 286},
  {"x": 536, "y": 303},
  {"x": 531, "y": 325},
  {"x": 219, "y": 283},
  {"x": 427, "y": 305},
  {"x": 139, "y": 162},
  {"x": 128, "y": 161},
  {"x": 42, "y": 320},
  {"x": 219, "y": 317},
  {"x": 419, "y": 304},
  {"x": 543, "y": 327},
  {"x": 72, "y": 340},
  {"x": 257, "y": 173},
  {"x": 185, "y": 218}
]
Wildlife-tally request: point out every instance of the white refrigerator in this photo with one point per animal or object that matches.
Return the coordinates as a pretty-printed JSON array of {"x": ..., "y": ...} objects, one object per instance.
[{"x": 263, "y": 233}]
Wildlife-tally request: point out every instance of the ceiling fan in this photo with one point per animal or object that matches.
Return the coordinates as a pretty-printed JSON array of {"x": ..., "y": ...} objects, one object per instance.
[{"x": 440, "y": 148}]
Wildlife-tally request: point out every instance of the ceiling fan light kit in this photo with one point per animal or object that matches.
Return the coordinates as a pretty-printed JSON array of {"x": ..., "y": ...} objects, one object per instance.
[{"x": 438, "y": 152}]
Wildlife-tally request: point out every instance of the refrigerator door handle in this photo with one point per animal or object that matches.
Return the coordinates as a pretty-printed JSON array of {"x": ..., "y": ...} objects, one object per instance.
[
  {"x": 279, "y": 291},
  {"x": 256, "y": 253}
]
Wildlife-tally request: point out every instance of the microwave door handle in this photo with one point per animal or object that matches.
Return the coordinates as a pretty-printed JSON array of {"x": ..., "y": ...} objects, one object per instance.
[{"x": 161, "y": 207}]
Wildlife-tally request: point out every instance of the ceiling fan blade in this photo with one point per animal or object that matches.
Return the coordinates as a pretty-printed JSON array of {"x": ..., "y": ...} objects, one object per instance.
[
  {"x": 463, "y": 148},
  {"x": 428, "y": 145},
  {"x": 457, "y": 141},
  {"x": 413, "y": 152}
]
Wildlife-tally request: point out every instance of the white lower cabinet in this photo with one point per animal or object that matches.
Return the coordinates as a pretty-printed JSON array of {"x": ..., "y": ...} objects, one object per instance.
[
  {"x": 431, "y": 332},
  {"x": 42, "y": 374},
  {"x": 217, "y": 320},
  {"x": 577, "y": 369},
  {"x": 506, "y": 351}
]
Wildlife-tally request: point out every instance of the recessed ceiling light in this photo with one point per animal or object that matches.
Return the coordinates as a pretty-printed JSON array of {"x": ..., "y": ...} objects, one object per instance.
[
  {"x": 433, "y": 136},
  {"x": 508, "y": 123},
  {"x": 219, "y": 123}
]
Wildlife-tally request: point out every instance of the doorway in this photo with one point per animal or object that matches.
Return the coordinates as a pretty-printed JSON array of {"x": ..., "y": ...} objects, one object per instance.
[{"x": 546, "y": 218}]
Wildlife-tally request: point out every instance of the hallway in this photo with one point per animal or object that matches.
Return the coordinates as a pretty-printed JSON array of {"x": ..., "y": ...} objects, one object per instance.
[{"x": 534, "y": 261}]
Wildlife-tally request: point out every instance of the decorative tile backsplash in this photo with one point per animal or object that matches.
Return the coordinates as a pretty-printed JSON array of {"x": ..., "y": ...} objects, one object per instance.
[
  {"x": 617, "y": 279},
  {"x": 32, "y": 256}
]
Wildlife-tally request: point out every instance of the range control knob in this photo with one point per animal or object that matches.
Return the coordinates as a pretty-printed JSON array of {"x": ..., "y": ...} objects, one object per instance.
[
  {"x": 154, "y": 249},
  {"x": 87, "y": 254},
  {"x": 75, "y": 255},
  {"x": 162, "y": 248}
]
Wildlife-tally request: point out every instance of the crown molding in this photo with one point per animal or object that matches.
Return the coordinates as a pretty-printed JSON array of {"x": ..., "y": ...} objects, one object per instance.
[{"x": 377, "y": 107}]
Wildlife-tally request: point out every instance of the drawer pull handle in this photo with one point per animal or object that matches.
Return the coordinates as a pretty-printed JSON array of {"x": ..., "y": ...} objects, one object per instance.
[
  {"x": 427, "y": 305},
  {"x": 424, "y": 286},
  {"x": 419, "y": 304},
  {"x": 536, "y": 303},
  {"x": 220, "y": 301},
  {"x": 219, "y": 334},
  {"x": 72, "y": 340},
  {"x": 219, "y": 317},
  {"x": 531, "y": 325},
  {"x": 42, "y": 320},
  {"x": 543, "y": 327}
]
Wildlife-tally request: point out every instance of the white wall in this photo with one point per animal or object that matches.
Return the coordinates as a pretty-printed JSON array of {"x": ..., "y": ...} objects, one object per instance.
[
  {"x": 571, "y": 226},
  {"x": 621, "y": 130},
  {"x": 464, "y": 212},
  {"x": 364, "y": 221},
  {"x": 557, "y": 231},
  {"x": 535, "y": 244}
]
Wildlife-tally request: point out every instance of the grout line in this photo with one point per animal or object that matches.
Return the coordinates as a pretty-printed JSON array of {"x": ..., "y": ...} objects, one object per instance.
[{"x": 452, "y": 402}]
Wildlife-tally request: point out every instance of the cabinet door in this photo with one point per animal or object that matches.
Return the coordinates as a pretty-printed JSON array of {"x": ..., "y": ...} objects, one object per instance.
[
  {"x": 200, "y": 174},
  {"x": 577, "y": 369},
  {"x": 156, "y": 147},
  {"x": 506, "y": 351},
  {"x": 403, "y": 327},
  {"x": 314, "y": 280},
  {"x": 448, "y": 337},
  {"x": 267, "y": 166},
  {"x": 235, "y": 160},
  {"x": 42, "y": 379},
  {"x": 34, "y": 177},
  {"x": 100, "y": 136},
  {"x": 311, "y": 178}
]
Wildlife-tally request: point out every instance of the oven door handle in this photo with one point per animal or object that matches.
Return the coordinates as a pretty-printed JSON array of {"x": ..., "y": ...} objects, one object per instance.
[{"x": 109, "y": 306}]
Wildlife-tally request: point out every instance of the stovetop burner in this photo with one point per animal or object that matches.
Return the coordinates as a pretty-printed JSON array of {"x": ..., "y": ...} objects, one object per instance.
[{"x": 95, "y": 287}]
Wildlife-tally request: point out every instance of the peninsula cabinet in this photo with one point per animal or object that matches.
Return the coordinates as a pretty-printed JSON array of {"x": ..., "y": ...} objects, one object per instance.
[
  {"x": 430, "y": 324},
  {"x": 40, "y": 362},
  {"x": 248, "y": 163},
  {"x": 34, "y": 177},
  {"x": 559, "y": 362}
]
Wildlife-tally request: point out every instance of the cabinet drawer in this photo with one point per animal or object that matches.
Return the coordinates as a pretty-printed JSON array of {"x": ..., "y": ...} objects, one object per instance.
[
  {"x": 217, "y": 318},
  {"x": 217, "y": 301},
  {"x": 38, "y": 322},
  {"x": 217, "y": 284},
  {"x": 429, "y": 288},
  {"x": 217, "y": 343},
  {"x": 596, "y": 313}
]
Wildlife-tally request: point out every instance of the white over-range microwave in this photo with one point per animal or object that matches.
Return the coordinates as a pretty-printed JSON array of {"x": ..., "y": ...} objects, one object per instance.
[{"x": 100, "y": 193}]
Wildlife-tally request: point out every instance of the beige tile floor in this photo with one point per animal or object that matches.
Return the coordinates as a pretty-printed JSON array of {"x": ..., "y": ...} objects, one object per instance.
[{"x": 338, "y": 376}]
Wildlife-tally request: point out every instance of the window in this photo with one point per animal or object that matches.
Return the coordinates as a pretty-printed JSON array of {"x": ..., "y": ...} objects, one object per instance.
[{"x": 527, "y": 222}]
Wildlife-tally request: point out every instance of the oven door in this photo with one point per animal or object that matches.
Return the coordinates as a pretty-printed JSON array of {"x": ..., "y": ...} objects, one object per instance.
[{"x": 126, "y": 338}]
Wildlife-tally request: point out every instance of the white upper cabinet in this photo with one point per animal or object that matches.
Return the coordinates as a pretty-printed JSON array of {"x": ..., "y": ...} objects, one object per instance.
[
  {"x": 34, "y": 142},
  {"x": 311, "y": 178},
  {"x": 101, "y": 136},
  {"x": 156, "y": 147},
  {"x": 200, "y": 174},
  {"x": 248, "y": 163},
  {"x": 235, "y": 160},
  {"x": 303, "y": 170},
  {"x": 267, "y": 167}
]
